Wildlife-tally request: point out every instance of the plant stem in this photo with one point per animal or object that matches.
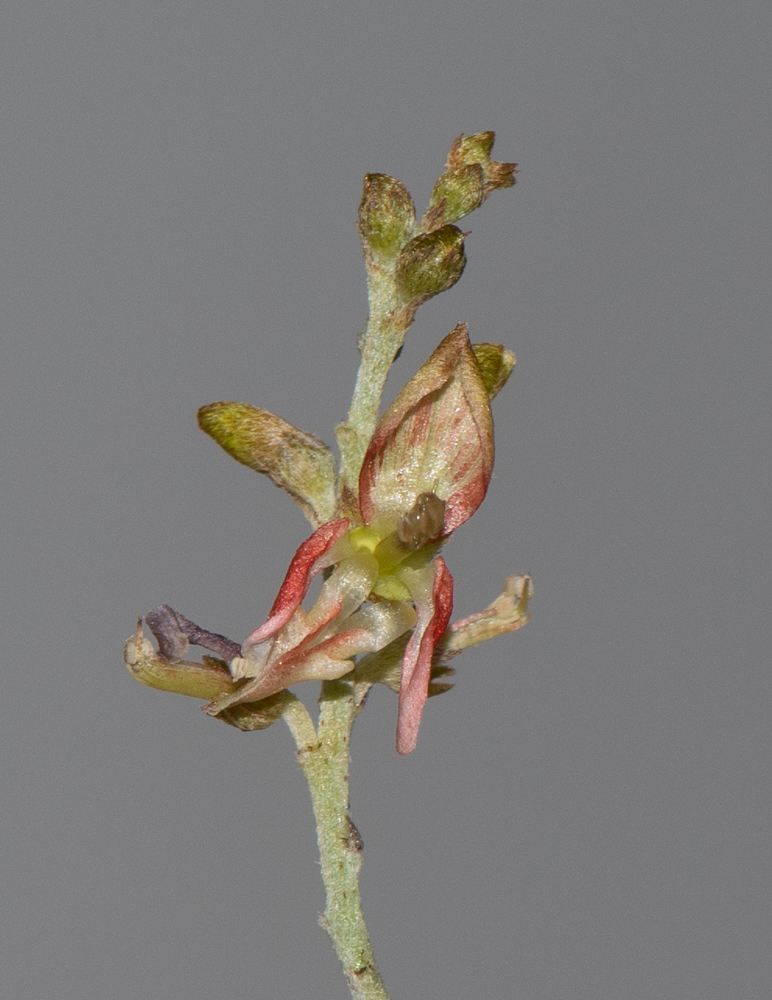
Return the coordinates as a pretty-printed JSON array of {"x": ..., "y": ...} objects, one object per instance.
[
  {"x": 379, "y": 343},
  {"x": 325, "y": 766}
]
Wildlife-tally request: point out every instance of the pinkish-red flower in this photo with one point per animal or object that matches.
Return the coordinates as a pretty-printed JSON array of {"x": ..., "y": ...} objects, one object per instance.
[{"x": 425, "y": 471}]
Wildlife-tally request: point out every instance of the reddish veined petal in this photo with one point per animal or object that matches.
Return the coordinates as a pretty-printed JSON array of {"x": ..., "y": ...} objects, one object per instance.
[
  {"x": 433, "y": 617},
  {"x": 306, "y": 563},
  {"x": 437, "y": 436}
]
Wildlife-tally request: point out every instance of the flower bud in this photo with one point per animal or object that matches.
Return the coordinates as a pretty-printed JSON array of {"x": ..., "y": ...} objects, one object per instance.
[
  {"x": 470, "y": 176},
  {"x": 430, "y": 264},
  {"x": 437, "y": 436},
  {"x": 477, "y": 149},
  {"x": 386, "y": 217},
  {"x": 456, "y": 194}
]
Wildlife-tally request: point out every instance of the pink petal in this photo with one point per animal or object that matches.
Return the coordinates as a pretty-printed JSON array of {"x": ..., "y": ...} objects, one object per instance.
[
  {"x": 436, "y": 436},
  {"x": 433, "y": 617},
  {"x": 327, "y": 661},
  {"x": 370, "y": 629},
  {"x": 306, "y": 563}
]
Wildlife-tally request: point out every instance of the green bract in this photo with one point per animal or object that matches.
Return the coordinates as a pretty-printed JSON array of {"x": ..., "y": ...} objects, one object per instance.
[
  {"x": 496, "y": 364},
  {"x": 296, "y": 461}
]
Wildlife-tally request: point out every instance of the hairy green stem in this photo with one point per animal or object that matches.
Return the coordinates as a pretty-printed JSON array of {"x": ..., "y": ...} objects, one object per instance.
[
  {"x": 325, "y": 765},
  {"x": 379, "y": 343}
]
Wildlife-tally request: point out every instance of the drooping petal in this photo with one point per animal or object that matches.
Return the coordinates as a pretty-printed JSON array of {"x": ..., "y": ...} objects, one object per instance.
[
  {"x": 296, "y": 461},
  {"x": 175, "y": 633},
  {"x": 326, "y": 662},
  {"x": 437, "y": 436},
  {"x": 434, "y": 606},
  {"x": 306, "y": 563},
  {"x": 341, "y": 595},
  {"x": 256, "y": 659},
  {"x": 507, "y": 613},
  {"x": 367, "y": 630},
  {"x": 344, "y": 591}
]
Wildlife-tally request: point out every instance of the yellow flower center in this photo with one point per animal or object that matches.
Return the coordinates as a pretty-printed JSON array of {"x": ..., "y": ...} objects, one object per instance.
[{"x": 393, "y": 557}]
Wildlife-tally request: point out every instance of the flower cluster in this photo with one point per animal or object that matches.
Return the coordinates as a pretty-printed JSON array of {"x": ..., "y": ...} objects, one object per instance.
[
  {"x": 425, "y": 472},
  {"x": 402, "y": 491}
]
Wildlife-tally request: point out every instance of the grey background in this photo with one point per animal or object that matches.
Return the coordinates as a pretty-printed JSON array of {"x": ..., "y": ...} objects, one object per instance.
[{"x": 587, "y": 814}]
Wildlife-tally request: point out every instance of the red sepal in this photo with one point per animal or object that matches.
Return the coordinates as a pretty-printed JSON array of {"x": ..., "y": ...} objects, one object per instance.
[
  {"x": 306, "y": 563},
  {"x": 433, "y": 618}
]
